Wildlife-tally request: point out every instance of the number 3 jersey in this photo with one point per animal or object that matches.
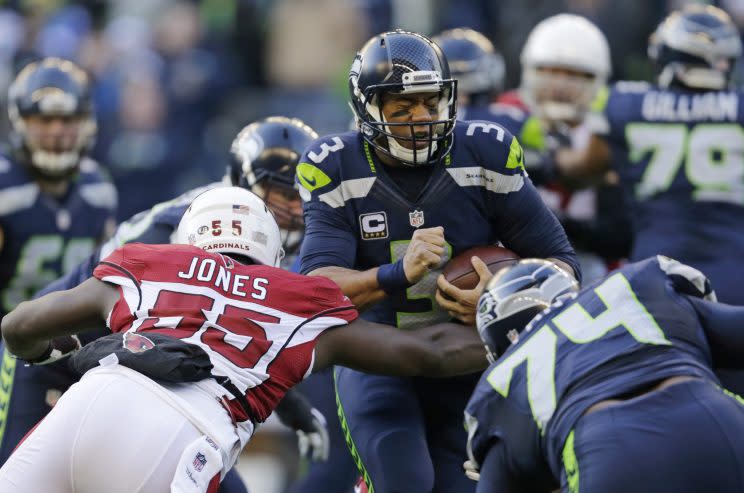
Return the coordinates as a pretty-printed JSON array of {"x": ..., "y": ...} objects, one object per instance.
[
  {"x": 646, "y": 322},
  {"x": 358, "y": 216},
  {"x": 258, "y": 324},
  {"x": 680, "y": 157}
]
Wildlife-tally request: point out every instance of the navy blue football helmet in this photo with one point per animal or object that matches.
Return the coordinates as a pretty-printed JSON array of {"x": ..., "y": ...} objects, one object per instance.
[
  {"x": 266, "y": 152},
  {"x": 51, "y": 87},
  {"x": 263, "y": 159},
  {"x": 514, "y": 296},
  {"x": 695, "y": 48},
  {"x": 474, "y": 62},
  {"x": 403, "y": 62}
]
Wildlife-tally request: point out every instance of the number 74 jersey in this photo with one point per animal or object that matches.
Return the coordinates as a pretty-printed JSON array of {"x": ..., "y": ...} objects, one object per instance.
[
  {"x": 258, "y": 324},
  {"x": 680, "y": 157},
  {"x": 617, "y": 336}
]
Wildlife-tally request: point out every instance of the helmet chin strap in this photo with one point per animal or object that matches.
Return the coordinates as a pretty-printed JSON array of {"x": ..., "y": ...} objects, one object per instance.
[
  {"x": 408, "y": 156},
  {"x": 54, "y": 163}
]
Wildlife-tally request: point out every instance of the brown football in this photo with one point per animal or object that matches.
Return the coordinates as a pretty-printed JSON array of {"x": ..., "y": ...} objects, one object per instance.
[{"x": 460, "y": 272}]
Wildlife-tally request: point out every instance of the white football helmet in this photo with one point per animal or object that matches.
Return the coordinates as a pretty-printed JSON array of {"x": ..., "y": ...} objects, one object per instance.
[
  {"x": 564, "y": 42},
  {"x": 232, "y": 220}
]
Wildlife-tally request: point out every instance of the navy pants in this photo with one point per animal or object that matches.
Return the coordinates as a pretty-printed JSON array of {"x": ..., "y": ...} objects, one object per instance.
[
  {"x": 406, "y": 434},
  {"x": 27, "y": 394},
  {"x": 338, "y": 474},
  {"x": 686, "y": 438}
]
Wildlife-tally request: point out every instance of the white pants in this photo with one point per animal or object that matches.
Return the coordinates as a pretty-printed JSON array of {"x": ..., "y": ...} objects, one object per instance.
[{"x": 112, "y": 431}]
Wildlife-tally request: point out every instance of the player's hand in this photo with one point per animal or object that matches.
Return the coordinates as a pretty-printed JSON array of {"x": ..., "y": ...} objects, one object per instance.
[
  {"x": 315, "y": 444},
  {"x": 471, "y": 470},
  {"x": 295, "y": 411},
  {"x": 59, "y": 348},
  {"x": 424, "y": 252},
  {"x": 462, "y": 303}
]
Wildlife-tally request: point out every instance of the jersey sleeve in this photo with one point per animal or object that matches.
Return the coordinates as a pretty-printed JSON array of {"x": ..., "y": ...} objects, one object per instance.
[
  {"x": 123, "y": 260},
  {"x": 724, "y": 329},
  {"x": 329, "y": 238}
]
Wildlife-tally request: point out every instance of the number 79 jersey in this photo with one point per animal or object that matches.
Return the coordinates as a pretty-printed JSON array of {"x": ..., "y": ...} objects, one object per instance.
[
  {"x": 617, "y": 336},
  {"x": 680, "y": 157},
  {"x": 258, "y": 324}
]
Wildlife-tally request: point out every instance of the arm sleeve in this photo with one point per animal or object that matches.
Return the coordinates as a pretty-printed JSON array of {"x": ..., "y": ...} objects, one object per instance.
[
  {"x": 724, "y": 329},
  {"x": 529, "y": 228},
  {"x": 328, "y": 240}
]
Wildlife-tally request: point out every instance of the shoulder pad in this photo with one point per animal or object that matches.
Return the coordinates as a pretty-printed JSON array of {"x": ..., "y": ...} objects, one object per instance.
[
  {"x": 335, "y": 168},
  {"x": 686, "y": 280},
  {"x": 101, "y": 195}
]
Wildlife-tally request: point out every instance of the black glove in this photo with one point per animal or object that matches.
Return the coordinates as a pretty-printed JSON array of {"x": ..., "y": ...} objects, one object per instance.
[{"x": 296, "y": 412}]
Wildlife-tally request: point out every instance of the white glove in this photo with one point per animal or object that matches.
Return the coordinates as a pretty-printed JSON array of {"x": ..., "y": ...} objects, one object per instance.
[
  {"x": 315, "y": 444},
  {"x": 471, "y": 470}
]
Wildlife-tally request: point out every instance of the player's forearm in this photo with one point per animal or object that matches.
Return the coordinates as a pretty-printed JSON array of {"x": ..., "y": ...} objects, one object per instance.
[
  {"x": 28, "y": 328},
  {"x": 361, "y": 287},
  {"x": 460, "y": 350},
  {"x": 14, "y": 330}
]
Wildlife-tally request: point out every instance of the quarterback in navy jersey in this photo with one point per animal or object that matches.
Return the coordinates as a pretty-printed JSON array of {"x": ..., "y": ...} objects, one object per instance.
[
  {"x": 592, "y": 394},
  {"x": 678, "y": 148},
  {"x": 56, "y": 205},
  {"x": 263, "y": 157},
  {"x": 385, "y": 208}
]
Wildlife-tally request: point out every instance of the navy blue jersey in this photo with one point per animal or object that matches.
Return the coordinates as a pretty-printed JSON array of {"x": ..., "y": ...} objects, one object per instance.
[
  {"x": 357, "y": 217},
  {"x": 154, "y": 226},
  {"x": 617, "y": 336},
  {"x": 680, "y": 157},
  {"x": 44, "y": 237}
]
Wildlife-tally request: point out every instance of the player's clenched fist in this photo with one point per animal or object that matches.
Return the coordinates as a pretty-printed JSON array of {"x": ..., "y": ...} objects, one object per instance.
[{"x": 424, "y": 252}]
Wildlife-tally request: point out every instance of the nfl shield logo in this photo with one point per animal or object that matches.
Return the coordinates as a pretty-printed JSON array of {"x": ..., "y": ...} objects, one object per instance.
[
  {"x": 416, "y": 218},
  {"x": 199, "y": 461}
]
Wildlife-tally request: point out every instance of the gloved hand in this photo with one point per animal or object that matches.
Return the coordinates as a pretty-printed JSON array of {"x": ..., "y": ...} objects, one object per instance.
[
  {"x": 296, "y": 412},
  {"x": 315, "y": 444},
  {"x": 59, "y": 348},
  {"x": 471, "y": 470}
]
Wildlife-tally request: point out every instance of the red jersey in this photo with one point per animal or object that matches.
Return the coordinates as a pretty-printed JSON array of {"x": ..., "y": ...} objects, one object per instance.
[{"x": 258, "y": 324}]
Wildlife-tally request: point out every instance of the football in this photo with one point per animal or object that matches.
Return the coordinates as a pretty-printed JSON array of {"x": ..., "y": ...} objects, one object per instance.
[{"x": 460, "y": 272}]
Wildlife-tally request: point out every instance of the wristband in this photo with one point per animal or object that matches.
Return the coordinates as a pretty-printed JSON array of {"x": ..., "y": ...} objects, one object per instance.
[{"x": 392, "y": 277}]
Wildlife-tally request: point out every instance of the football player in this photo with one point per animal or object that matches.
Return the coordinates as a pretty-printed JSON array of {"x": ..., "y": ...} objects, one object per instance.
[
  {"x": 678, "y": 148},
  {"x": 608, "y": 389},
  {"x": 253, "y": 329},
  {"x": 264, "y": 155},
  {"x": 55, "y": 204},
  {"x": 385, "y": 208},
  {"x": 565, "y": 66}
]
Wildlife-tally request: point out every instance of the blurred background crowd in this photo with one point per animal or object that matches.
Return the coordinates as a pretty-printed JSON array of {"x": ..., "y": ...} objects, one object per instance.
[{"x": 174, "y": 80}]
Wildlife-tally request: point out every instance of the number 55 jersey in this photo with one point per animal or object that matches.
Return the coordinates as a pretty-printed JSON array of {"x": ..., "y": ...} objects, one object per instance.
[
  {"x": 258, "y": 324},
  {"x": 680, "y": 157}
]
